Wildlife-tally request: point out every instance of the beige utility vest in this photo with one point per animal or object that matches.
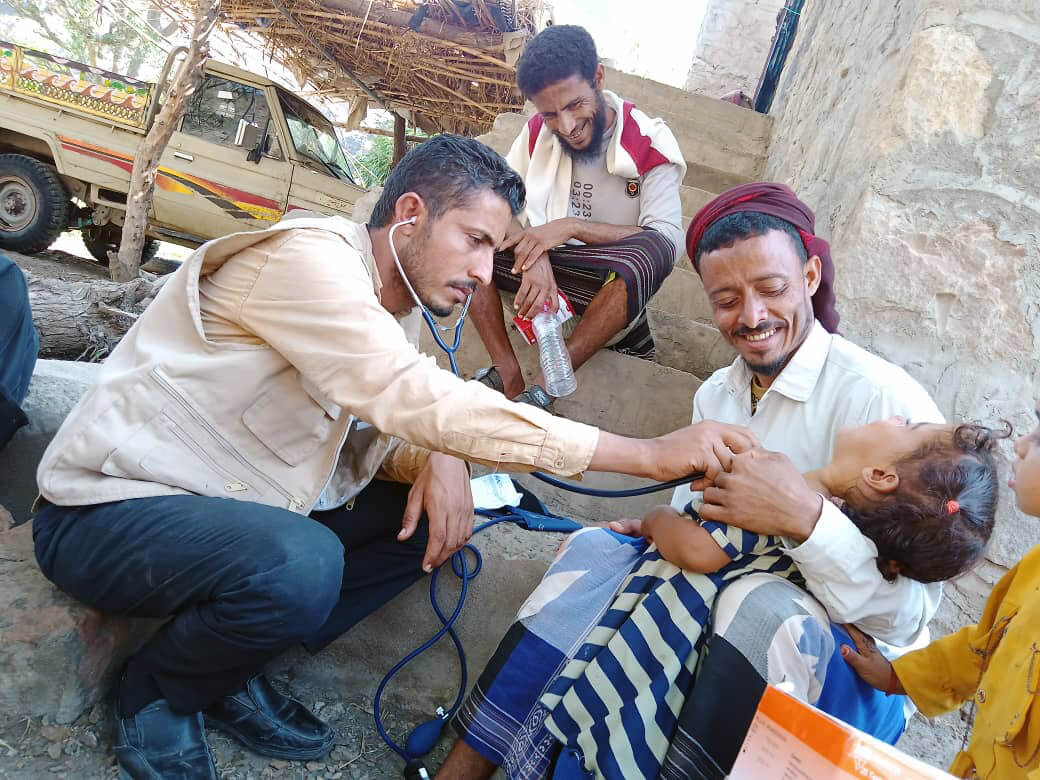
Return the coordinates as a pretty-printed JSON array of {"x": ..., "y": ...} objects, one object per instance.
[{"x": 174, "y": 413}]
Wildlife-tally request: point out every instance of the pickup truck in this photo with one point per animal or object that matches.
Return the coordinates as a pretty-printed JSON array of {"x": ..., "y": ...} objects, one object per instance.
[{"x": 245, "y": 152}]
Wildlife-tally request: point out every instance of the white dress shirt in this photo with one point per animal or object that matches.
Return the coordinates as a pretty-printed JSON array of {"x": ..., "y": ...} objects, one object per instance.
[{"x": 829, "y": 384}]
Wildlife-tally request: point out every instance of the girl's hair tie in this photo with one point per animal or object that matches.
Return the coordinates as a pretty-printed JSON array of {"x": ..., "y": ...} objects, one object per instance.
[{"x": 952, "y": 506}]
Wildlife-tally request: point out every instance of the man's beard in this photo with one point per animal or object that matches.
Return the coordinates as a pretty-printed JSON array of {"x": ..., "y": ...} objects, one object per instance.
[
  {"x": 769, "y": 369},
  {"x": 415, "y": 265},
  {"x": 599, "y": 129},
  {"x": 774, "y": 367}
]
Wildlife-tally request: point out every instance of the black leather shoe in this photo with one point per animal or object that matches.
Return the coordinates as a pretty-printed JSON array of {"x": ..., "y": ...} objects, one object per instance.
[
  {"x": 271, "y": 724},
  {"x": 158, "y": 743}
]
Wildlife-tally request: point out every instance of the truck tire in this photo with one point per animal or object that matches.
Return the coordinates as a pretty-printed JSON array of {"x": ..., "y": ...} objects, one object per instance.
[
  {"x": 34, "y": 206},
  {"x": 99, "y": 241}
]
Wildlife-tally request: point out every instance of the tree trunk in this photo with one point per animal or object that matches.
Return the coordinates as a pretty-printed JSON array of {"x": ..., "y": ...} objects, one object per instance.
[
  {"x": 125, "y": 264},
  {"x": 84, "y": 320},
  {"x": 400, "y": 140}
]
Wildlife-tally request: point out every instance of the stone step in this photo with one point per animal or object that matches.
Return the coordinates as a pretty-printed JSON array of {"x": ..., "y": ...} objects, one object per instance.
[
  {"x": 694, "y": 199},
  {"x": 604, "y": 397},
  {"x": 684, "y": 333},
  {"x": 711, "y": 132},
  {"x": 56, "y": 386},
  {"x": 691, "y": 347},
  {"x": 59, "y": 658},
  {"x": 682, "y": 295},
  {"x": 712, "y": 179}
]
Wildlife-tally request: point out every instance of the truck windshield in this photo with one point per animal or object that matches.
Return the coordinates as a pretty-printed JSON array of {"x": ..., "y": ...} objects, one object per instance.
[{"x": 314, "y": 136}]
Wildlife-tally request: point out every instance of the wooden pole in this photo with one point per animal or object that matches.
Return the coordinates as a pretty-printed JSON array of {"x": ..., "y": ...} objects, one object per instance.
[
  {"x": 125, "y": 264},
  {"x": 400, "y": 144}
]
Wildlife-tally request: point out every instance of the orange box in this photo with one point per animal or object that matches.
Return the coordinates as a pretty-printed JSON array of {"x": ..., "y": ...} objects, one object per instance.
[{"x": 791, "y": 740}]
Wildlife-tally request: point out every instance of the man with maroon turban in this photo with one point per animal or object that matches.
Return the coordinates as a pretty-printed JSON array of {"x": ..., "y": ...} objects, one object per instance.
[
  {"x": 796, "y": 382},
  {"x": 769, "y": 279}
]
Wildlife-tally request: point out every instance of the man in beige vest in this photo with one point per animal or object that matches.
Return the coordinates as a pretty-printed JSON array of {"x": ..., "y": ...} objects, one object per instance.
[{"x": 267, "y": 457}]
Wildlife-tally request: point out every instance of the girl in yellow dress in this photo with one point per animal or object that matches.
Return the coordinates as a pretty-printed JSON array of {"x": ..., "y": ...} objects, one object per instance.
[{"x": 996, "y": 661}]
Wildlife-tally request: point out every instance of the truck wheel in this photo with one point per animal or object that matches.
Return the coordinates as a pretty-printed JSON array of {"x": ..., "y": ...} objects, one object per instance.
[
  {"x": 100, "y": 240},
  {"x": 34, "y": 206}
]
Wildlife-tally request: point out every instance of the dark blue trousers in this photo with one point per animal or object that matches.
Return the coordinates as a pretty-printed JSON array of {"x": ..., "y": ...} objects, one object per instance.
[
  {"x": 18, "y": 348},
  {"x": 240, "y": 581}
]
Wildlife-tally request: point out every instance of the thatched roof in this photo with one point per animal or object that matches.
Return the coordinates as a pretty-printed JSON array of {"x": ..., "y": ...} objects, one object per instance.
[{"x": 448, "y": 65}]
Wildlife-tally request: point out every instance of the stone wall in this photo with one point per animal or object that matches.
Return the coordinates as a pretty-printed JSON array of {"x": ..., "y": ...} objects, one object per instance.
[
  {"x": 913, "y": 129},
  {"x": 732, "y": 46}
]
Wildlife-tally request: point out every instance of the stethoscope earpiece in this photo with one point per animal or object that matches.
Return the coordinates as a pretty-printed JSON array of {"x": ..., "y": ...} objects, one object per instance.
[{"x": 435, "y": 327}]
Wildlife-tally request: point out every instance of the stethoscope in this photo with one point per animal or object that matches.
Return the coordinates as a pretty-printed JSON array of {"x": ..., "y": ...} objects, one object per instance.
[
  {"x": 435, "y": 327},
  {"x": 423, "y": 738}
]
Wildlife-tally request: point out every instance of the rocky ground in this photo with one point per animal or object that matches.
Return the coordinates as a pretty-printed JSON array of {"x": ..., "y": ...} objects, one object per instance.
[{"x": 32, "y": 749}]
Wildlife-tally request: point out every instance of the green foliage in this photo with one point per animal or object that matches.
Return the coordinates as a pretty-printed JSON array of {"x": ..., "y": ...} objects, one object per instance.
[
  {"x": 94, "y": 34},
  {"x": 374, "y": 164}
]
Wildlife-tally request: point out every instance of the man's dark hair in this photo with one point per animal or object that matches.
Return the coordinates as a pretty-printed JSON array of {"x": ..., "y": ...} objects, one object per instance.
[
  {"x": 746, "y": 224},
  {"x": 447, "y": 171},
  {"x": 555, "y": 54}
]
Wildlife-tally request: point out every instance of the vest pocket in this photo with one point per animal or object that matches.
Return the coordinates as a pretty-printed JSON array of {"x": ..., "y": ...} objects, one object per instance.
[
  {"x": 288, "y": 420},
  {"x": 163, "y": 451}
]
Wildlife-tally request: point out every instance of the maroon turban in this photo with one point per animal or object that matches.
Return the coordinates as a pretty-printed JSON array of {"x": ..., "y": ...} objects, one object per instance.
[{"x": 777, "y": 200}]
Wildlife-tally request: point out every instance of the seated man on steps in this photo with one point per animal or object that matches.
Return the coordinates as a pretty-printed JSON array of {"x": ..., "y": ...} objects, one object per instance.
[
  {"x": 223, "y": 471},
  {"x": 603, "y": 220}
]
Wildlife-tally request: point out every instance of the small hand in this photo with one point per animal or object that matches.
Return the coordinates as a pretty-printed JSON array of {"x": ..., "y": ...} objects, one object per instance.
[
  {"x": 629, "y": 526},
  {"x": 538, "y": 285},
  {"x": 868, "y": 662},
  {"x": 442, "y": 491},
  {"x": 762, "y": 492},
  {"x": 645, "y": 525}
]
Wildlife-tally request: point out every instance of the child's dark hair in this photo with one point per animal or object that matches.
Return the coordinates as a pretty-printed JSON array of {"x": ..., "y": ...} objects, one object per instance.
[{"x": 936, "y": 524}]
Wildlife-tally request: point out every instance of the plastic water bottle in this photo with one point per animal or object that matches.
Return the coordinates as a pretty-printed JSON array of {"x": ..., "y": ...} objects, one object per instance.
[{"x": 555, "y": 360}]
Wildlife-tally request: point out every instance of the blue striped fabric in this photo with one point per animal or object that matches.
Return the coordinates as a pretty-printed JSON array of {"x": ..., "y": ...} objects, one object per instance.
[{"x": 618, "y": 700}]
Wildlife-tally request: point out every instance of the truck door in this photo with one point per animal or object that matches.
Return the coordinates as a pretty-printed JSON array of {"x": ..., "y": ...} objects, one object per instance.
[{"x": 214, "y": 177}]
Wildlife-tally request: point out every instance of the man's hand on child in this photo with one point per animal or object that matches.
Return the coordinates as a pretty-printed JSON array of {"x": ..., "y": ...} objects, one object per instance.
[
  {"x": 764, "y": 493},
  {"x": 868, "y": 662}
]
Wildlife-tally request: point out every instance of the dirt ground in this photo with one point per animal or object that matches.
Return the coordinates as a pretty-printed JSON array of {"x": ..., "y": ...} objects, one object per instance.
[
  {"x": 69, "y": 259},
  {"x": 30, "y": 749}
]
